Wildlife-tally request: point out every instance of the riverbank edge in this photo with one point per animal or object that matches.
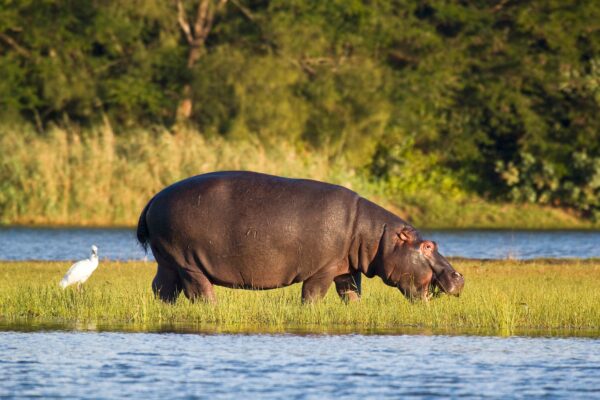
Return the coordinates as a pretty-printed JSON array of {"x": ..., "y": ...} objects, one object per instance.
[{"x": 29, "y": 325}]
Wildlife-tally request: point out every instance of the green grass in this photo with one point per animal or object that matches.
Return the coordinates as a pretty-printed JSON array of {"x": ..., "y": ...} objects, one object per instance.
[{"x": 500, "y": 297}]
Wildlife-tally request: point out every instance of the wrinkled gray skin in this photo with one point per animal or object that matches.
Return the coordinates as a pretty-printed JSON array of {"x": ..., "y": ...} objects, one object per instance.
[{"x": 257, "y": 231}]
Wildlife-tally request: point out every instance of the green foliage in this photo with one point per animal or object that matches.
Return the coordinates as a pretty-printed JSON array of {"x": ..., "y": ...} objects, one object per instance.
[
  {"x": 79, "y": 59},
  {"x": 493, "y": 99},
  {"x": 528, "y": 108},
  {"x": 539, "y": 181}
]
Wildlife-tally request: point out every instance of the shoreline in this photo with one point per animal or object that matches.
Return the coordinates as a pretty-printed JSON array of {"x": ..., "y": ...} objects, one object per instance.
[{"x": 48, "y": 325}]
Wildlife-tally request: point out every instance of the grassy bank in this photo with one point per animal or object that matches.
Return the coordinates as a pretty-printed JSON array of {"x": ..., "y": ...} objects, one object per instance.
[
  {"x": 500, "y": 297},
  {"x": 94, "y": 178}
]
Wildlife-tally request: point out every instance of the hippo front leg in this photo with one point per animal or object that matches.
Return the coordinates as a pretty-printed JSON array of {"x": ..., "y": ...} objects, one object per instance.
[
  {"x": 416, "y": 292},
  {"x": 348, "y": 286}
]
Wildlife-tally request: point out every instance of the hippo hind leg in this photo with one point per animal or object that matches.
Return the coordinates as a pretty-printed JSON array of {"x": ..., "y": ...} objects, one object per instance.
[
  {"x": 166, "y": 284},
  {"x": 196, "y": 285},
  {"x": 348, "y": 286}
]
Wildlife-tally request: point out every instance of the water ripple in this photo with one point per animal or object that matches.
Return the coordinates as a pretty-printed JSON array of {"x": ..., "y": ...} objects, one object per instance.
[{"x": 117, "y": 365}]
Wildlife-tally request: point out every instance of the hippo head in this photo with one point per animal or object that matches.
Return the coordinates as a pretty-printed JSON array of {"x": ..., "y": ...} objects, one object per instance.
[{"x": 417, "y": 268}]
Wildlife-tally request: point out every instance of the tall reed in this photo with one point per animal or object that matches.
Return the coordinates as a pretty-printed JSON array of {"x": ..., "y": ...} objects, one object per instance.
[{"x": 94, "y": 177}]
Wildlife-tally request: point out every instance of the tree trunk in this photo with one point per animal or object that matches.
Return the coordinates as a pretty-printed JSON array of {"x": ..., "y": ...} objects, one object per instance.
[
  {"x": 184, "y": 109},
  {"x": 195, "y": 35}
]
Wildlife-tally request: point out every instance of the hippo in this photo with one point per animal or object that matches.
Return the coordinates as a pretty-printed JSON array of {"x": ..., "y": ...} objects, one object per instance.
[{"x": 250, "y": 230}]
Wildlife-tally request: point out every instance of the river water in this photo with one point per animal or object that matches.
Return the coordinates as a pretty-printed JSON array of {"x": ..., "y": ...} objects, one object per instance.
[
  {"x": 168, "y": 366},
  {"x": 20, "y": 243}
]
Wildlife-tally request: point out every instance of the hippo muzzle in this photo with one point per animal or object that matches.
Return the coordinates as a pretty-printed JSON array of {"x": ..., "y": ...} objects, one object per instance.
[{"x": 448, "y": 281}]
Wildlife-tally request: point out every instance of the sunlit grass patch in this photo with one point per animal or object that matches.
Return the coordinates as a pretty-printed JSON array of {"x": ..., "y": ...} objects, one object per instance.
[{"x": 501, "y": 297}]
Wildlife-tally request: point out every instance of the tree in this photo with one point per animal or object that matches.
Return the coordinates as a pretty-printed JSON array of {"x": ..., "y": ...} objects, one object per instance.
[{"x": 195, "y": 34}]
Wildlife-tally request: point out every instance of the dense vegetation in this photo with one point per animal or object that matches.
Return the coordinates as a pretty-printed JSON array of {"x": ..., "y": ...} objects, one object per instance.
[
  {"x": 501, "y": 297},
  {"x": 483, "y": 99}
]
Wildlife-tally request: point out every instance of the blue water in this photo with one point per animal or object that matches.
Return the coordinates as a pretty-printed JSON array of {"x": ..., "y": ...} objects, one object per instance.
[
  {"x": 120, "y": 244},
  {"x": 169, "y": 366},
  {"x": 68, "y": 243},
  {"x": 500, "y": 244}
]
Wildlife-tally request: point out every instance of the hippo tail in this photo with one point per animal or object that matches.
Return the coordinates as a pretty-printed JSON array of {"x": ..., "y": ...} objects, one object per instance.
[{"x": 142, "y": 233}]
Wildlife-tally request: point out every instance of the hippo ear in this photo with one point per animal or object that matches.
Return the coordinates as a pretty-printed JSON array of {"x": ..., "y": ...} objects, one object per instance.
[{"x": 408, "y": 234}]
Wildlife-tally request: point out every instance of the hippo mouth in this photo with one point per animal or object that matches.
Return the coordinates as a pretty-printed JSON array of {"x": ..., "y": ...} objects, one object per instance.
[
  {"x": 434, "y": 289},
  {"x": 453, "y": 287}
]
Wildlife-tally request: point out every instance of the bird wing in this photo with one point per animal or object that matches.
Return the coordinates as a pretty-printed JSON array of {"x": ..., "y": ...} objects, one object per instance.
[{"x": 78, "y": 272}]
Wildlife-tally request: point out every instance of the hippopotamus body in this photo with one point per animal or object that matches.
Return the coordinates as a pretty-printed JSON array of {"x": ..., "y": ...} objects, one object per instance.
[{"x": 255, "y": 231}]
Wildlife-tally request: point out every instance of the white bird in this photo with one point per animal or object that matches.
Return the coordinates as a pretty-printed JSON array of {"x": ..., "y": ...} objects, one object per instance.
[{"x": 81, "y": 270}]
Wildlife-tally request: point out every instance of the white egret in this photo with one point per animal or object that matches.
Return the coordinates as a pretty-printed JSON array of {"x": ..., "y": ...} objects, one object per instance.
[{"x": 81, "y": 270}]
